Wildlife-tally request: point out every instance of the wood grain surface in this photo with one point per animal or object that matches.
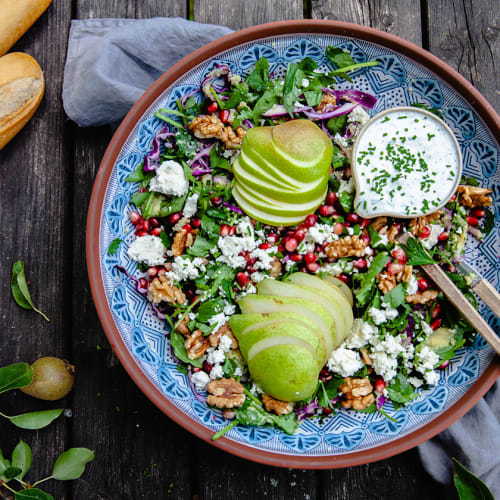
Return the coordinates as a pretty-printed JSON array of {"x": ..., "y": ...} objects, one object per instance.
[{"x": 47, "y": 176}]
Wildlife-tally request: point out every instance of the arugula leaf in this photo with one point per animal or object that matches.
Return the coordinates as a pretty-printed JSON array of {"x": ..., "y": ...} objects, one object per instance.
[
  {"x": 416, "y": 253},
  {"x": 313, "y": 97},
  {"x": 239, "y": 93},
  {"x": 489, "y": 222},
  {"x": 201, "y": 247},
  {"x": 339, "y": 57},
  {"x": 137, "y": 175},
  {"x": 209, "y": 308},
  {"x": 113, "y": 246},
  {"x": 368, "y": 280},
  {"x": 177, "y": 341},
  {"x": 346, "y": 201},
  {"x": 329, "y": 391},
  {"x": 258, "y": 78},
  {"x": 395, "y": 297},
  {"x": 185, "y": 143},
  {"x": 218, "y": 162},
  {"x": 265, "y": 102},
  {"x": 468, "y": 485},
  {"x": 336, "y": 124},
  {"x": 255, "y": 415},
  {"x": 400, "y": 390},
  {"x": 292, "y": 88},
  {"x": 209, "y": 225}
]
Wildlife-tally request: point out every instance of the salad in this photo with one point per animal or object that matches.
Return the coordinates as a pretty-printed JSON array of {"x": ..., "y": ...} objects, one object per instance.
[{"x": 201, "y": 256}]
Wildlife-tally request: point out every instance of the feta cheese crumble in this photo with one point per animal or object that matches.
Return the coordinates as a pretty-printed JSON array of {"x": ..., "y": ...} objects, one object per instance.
[
  {"x": 345, "y": 362},
  {"x": 148, "y": 249},
  {"x": 432, "y": 239},
  {"x": 191, "y": 206},
  {"x": 169, "y": 179},
  {"x": 200, "y": 380},
  {"x": 380, "y": 316},
  {"x": 360, "y": 334},
  {"x": 359, "y": 115},
  {"x": 185, "y": 269}
]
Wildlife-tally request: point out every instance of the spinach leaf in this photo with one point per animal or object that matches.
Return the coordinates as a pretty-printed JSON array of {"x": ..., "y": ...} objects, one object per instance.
[
  {"x": 400, "y": 390},
  {"x": 292, "y": 88},
  {"x": 177, "y": 341},
  {"x": 209, "y": 308},
  {"x": 239, "y": 93},
  {"x": 339, "y": 57},
  {"x": 416, "y": 253},
  {"x": 489, "y": 222},
  {"x": 374, "y": 236},
  {"x": 137, "y": 175},
  {"x": 218, "y": 162},
  {"x": 368, "y": 280},
  {"x": 346, "y": 201},
  {"x": 265, "y": 102},
  {"x": 139, "y": 198},
  {"x": 468, "y": 485},
  {"x": 395, "y": 297},
  {"x": 201, "y": 247},
  {"x": 230, "y": 365},
  {"x": 258, "y": 78},
  {"x": 313, "y": 97},
  {"x": 185, "y": 143},
  {"x": 165, "y": 239},
  {"x": 113, "y": 246},
  {"x": 336, "y": 124},
  {"x": 209, "y": 225},
  {"x": 20, "y": 290}
]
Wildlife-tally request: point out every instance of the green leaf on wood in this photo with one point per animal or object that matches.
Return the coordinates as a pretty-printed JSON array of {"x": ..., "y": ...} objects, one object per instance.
[
  {"x": 21, "y": 458},
  {"x": 35, "y": 419},
  {"x": 11, "y": 473},
  {"x": 15, "y": 376},
  {"x": 32, "y": 494},
  {"x": 468, "y": 485},
  {"x": 71, "y": 464}
]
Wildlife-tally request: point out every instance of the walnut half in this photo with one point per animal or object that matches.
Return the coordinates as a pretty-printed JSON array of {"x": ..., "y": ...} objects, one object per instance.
[
  {"x": 356, "y": 393},
  {"x": 349, "y": 246},
  {"x": 422, "y": 297},
  {"x": 161, "y": 289},
  {"x": 225, "y": 393},
  {"x": 473, "y": 196},
  {"x": 196, "y": 345},
  {"x": 279, "y": 407}
]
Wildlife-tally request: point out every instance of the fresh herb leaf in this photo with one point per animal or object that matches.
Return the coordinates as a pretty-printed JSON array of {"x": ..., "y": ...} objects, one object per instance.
[
  {"x": 313, "y": 97},
  {"x": 15, "y": 376},
  {"x": 400, "y": 390},
  {"x": 346, "y": 201},
  {"x": 374, "y": 236},
  {"x": 336, "y": 124},
  {"x": 137, "y": 175},
  {"x": 339, "y": 159},
  {"x": 35, "y": 419},
  {"x": 368, "y": 283},
  {"x": 218, "y": 162},
  {"x": 185, "y": 143},
  {"x": 265, "y": 102},
  {"x": 19, "y": 288},
  {"x": 339, "y": 57},
  {"x": 71, "y": 464},
  {"x": 416, "y": 253},
  {"x": 395, "y": 297},
  {"x": 307, "y": 65},
  {"x": 209, "y": 225},
  {"x": 230, "y": 365},
  {"x": 468, "y": 485},
  {"x": 113, "y": 246},
  {"x": 258, "y": 78},
  {"x": 177, "y": 341},
  {"x": 292, "y": 87},
  {"x": 201, "y": 247},
  {"x": 165, "y": 239},
  {"x": 139, "y": 198},
  {"x": 255, "y": 415},
  {"x": 489, "y": 222}
]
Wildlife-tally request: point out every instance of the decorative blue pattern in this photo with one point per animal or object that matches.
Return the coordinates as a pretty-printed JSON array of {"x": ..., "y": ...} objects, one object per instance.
[
  {"x": 346, "y": 440},
  {"x": 396, "y": 81},
  {"x": 467, "y": 372}
]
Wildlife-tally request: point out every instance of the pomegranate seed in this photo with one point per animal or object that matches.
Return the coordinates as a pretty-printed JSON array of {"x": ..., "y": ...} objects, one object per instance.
[
  {"x": 472, "y": 221},
  {"x": 313, "y": 267},
  {"x": 436, "y": 323},
  {"x": 310, "y": 220},
  {"x": 435, "y": 311},
  {"x": 324, "y": 373},
  {"x": 190, "y": 293},
  {"x": 338, "y": 228},
  {"x": 394, "y": 268},
  {"x": 146, "y": 225},
  {"x": 353, "y": 218},
  {"x": 195, "y": 299},
  {"x": 318, "y": 248},
  {"x": 232, "y": 230},
  {"x": 331, "y": 198},
  {"x": 379, "y": 385},
  {"x": 215, "y": 201},
  {"x": 134, "y": 217},
  {"x": 143, "y": 283},
  {"x": 399, "y": 254},
  {"x": 241, "y": 278},
  {"x": 326, "y": 210},
  {"x": 152, "y": 271},
  {"x": 141, "y": 190},
  {"x": 422, "y": 284},
  {"x": 299, "y": 235},
  {"x": 302, "y": 227},
  {"x": 343, "y": 277},
  {"x": 296, "y": 257},
  {"x": 196, "y": 222},
  {"x": 224, "y": 230},
  {"x": 224, "y": 115},
  {"x": 207, "y": 367},
  {"x": 347, "y": 173},
  {"x": 360, "y": 264},
  {"x": 154, "y": 222},
  {"x": 187, "y": 228},
  {"x": 250, "y": 260},
  {"x": 326, "y": 411},
  {"x": 290, "y": 233},
  {"x": 444, "y": 365},
  {"x": 281, "y": 248},
  {"x": 453, "y": 198},
  {"x": 364, "y": 223},
  {"x": 196, "y": 369},
  {"x": 265, "y": 246},
  {"x": 310, "y": 257},
  {"x": 141, "y": 233},
  {"x": 272, "y": 237},
  {"x": 443, "y": 236},
  {"x": 478, "y": 212},
  {"x": 140, "y": 225},
  {"x": 291, "y": 244},
  {"x": 213, "y": 107},
  {"x": 366, "y": 238},
  {"x": 174, "y": 218},
  {"x": 156, "y": 231},
  {"x": 425, "y": 233}
]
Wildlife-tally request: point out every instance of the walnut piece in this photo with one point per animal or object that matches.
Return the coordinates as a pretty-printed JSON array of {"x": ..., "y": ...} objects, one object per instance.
[
  {"x": 279, "y": 407},
  {"x": 422, "y": 297},
  {"x": 473, "y": 196},
  {"x": 419, "y": 223},
  {"x": 183, "y": 239},
  {"x": 379, "y": 223},
  {"x": 327, "y": 102},
  {"x": 205, "y": 127},
  {"x": 183, "y": 328},
  {"x": 356, "y": 393},
  {"x": 349, "y": 246},
  {"x": 390, "y": 232},
  {"x": 214, "y": 338},
  {"x": 161, "y": 289},
  {"x": 275, "y": 270},
  {"x": 365, "y": 357},
  {"x": 196, "y": 345},
  {"x": 386, "y": 282},
  {"x": 225, "y": 393}
]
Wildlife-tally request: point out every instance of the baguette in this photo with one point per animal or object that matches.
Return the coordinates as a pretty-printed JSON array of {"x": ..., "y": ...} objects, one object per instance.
[
  {"x": 21, "y": 91},
  {"x": 16, "y": 16}
]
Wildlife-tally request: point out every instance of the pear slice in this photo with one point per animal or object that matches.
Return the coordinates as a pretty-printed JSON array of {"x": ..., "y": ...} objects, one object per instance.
[
  {"x": 335, "y": 294},
  {"x": 288, "y": 372},
  {"x": 342, "y": 286},
  {"x": 315, "y": 314},
  {"x": 279, "y": 289}
]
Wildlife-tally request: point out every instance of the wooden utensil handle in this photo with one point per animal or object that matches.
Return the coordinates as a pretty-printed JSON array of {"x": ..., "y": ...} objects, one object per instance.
[
  {"x": 489, "y": 295},
  {"x": 462, "y": 304}
]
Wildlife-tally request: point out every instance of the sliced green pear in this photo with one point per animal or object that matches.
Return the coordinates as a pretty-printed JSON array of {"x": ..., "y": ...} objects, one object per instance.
[
  {"x": 315, "y": 314},
  {"x": 335, "y": 294},
  {"x": 241, "y": 324},
  {"x": 280, "y": 289},
  {"x": 288, "y": 372},
  {"x": 341, "y": 285}
]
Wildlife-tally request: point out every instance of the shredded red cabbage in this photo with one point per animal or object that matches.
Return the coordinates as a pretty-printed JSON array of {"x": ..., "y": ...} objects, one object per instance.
[
  {"x": 237, "y": 210},
  {"x": 275, "y": 111},
  {"x": 309, "y": 410},
  {"x": 356, "y": 96},
  {"x": 380, "y": 401},
  {"x": 185, "y": 97},
  {"x": 142, "y": 291},
  {"x": 150, "y": 160},
  {"x": 341, "y": 110},
  {"x": 248, "y": 123}
]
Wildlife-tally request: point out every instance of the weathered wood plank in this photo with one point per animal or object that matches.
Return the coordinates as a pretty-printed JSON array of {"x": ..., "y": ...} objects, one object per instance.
[
  {"x": 467, "y": 36},
  {"x": 238, "y": 15},
  {"x": 33, "y": 186},
  {"x": 399, "y": 17},
  {"x": 140, "y": 453}
]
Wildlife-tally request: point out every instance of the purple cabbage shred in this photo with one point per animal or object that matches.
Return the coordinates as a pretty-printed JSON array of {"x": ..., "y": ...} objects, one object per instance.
[{"x": 237, "y": 210}]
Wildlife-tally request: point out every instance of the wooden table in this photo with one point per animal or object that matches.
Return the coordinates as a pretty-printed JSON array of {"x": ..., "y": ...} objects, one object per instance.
[{"x": 47, "y": 176}]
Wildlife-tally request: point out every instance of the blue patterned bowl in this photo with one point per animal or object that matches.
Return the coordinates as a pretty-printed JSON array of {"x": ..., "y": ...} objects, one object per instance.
[{"x": 405, "y": 75}]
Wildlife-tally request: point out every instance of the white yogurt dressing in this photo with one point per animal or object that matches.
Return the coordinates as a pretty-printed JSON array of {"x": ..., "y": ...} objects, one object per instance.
[{"x": 407, "y": 163}]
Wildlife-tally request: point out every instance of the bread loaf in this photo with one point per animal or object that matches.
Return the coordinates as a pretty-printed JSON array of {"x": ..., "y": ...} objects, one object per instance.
[
  {"x": 16, "y": 16},
  {"x": 21, "y": 91}
]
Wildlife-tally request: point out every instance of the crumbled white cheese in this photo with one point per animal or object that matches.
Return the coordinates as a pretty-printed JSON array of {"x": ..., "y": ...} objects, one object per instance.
[
  {"x": 431, "y": 377},
  {"x": 215, "y": 356},
  {"x": 218, "y": 320},
  {"x": 245, "y": 227},
  {"x": 340, "y": 141},
  {"x": 234, "y": 79},
  {"x": 360, "y": 334},
  {"x": 182, "y": 222},
  {"x": 249, "y": 290},
  {"x": 185, "y": 269},
  {"x": 426, "y": 360},
  {"x": 231, "y": 247},
  {"x": 426, "y": 328},
  {"x": 412, "y": 287},
  {"x": 200, "y": 380},
  {"x": 384, "y": 356},
  {"x": 344, "y": 362},
  {"x": 305, "y": 82},
  {"x": 347, "y": 186},
  {"x": 225, "y": 343},
  {"x": 238, "y": 372},
  {"x": 383, "y": 241},
  {"x": 358, "y": 115},
  {"x": 148, "y": 249},
  {"x": 264, "y": 259},
  {"x": 257, "y": 277},
  {"x": 321, "y": 233},
  {"x": 190, "y": 206},
  {"x": 380, "y": 316},
  {"x": 216, "y": 372},
  {"x": 229, "y": 309},
  {"x": 415, "y": 382},
  {"x": 350, "y": 231},
  {"x": 338, "y": 267},
  {"x": 255, "y": 389},
  {"x": 169, "y": 179},
  {"x": 436, "y": 230}
]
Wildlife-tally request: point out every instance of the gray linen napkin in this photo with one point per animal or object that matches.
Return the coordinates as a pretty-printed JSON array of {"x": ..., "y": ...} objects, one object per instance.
[{"x": 111, "y": 62}]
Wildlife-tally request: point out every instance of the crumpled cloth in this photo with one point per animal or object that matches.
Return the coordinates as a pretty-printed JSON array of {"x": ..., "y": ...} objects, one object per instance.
[{"x": 111, "y": 62}]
